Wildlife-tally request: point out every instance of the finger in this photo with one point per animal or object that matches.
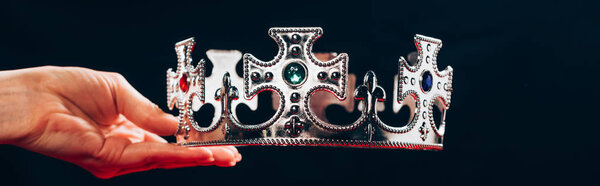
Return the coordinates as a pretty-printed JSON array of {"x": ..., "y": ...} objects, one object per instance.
[
  {"x": 120, "y": 155},
  {"x": 108, "y": 95},
  {"x": 141, "y": 111},
  {"x": 140, "y": 154},
  {"x": 237, "y": 155},
  {"x": 223, "y": 156},
  {"x": 175, "y": 157},
  {"x": 181, "y": 165},
  {"x": 134, "y": 169}
]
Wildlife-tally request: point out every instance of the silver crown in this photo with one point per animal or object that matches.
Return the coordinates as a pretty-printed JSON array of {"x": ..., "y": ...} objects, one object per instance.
[{"x": 298, "y": 76}]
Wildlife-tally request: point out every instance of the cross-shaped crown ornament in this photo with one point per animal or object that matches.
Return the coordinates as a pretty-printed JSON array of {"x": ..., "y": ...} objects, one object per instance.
[
  {"x": 421, "y": 87},
  {"x": 187, "y": 87},
  {"x": 295, "y": 75}
]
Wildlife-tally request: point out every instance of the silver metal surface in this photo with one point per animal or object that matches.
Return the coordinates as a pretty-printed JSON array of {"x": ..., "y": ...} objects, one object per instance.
[
  {"x": 295, "y": 121},
  {"x": 200, "y": 92},
  {"x": 321, "y": 99}
]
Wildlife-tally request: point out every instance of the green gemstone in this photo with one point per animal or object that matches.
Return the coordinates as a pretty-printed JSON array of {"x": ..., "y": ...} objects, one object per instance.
[{"x": 294, "y": 73}]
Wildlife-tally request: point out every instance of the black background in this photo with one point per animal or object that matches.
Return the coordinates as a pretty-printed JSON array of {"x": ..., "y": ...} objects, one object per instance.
[{"x": 522, "y": 109}]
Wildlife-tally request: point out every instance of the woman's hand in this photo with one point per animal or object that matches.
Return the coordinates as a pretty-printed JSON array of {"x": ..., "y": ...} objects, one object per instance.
[{"x": 94, "y": 119}]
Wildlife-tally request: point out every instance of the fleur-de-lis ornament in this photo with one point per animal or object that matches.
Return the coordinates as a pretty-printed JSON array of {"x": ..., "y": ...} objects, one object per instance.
[{"x": 370, "y": 93}]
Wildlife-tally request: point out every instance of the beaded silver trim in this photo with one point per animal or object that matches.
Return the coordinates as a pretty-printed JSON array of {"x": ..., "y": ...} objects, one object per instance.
[{"x": 317, "y": 142}]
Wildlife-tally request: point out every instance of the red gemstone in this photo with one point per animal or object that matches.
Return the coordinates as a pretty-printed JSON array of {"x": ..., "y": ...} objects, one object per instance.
[{"x": 183, "y": 83}]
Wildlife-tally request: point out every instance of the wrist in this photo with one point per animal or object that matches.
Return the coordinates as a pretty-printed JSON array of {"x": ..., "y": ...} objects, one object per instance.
[{"x": 17, "y": 93}]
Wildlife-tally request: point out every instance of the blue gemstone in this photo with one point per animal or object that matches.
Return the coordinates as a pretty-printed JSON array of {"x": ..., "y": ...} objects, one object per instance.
[{"x": 426, "y": 81}]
